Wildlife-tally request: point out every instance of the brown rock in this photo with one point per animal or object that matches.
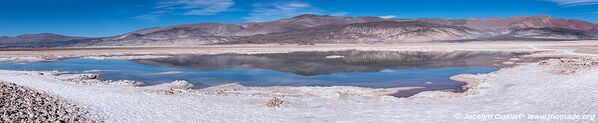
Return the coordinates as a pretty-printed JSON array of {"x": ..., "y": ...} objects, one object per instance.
[{"x": 276, "y": 102}]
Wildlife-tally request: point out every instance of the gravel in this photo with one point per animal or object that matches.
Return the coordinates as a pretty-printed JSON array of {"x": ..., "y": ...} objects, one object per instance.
[{"x": 19, "y": 104}]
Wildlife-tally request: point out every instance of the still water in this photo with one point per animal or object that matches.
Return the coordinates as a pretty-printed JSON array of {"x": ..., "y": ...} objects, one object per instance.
[{"x": 373, "y": 69}]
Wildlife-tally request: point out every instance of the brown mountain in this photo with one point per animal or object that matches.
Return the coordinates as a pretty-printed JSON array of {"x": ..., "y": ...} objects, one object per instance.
[
  {"x": 520, "y": 22},
  {"x": 369, "y": 32},
  {"x": 341, "y": 29},
  {"x": 311, "y": 28},
  {"x": 36, "y": 40},
  {"x": 211, "y": 33},
  {"x": 253, "y": 28},
  {"x": 551, "y": 33}
]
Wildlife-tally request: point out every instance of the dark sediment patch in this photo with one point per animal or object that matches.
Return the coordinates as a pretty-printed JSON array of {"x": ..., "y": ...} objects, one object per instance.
[
  {"x": 411, "y": 92},
  {"x": 20, "y": 104}
]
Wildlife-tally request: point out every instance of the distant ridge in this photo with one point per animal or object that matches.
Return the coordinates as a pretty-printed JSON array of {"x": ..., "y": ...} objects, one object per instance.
[
  {"x": 310, "y": 28},
  {"x": 36, "y": 40}
]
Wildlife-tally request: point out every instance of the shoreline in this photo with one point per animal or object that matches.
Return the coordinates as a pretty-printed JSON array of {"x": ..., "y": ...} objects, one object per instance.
[
  {"x": 515, "y": 90},
  {"x": 28, "y": 54},
  {"x": 254, "y": 100}
]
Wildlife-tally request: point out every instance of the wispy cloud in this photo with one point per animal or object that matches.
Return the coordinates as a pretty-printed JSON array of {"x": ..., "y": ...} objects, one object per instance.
[
  {"x": 187, "y": 7},
  {"x": 575, "y": 2},
  {"x": 267, "y": 11},
  {"x": 196, "y": 7},
  {"x": 152, "y": 16},
  {"x": 388, "y": 16}
]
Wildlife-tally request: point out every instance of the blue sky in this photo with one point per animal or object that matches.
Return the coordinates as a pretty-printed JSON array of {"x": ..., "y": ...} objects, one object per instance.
[{"x": 95, "y": 18}]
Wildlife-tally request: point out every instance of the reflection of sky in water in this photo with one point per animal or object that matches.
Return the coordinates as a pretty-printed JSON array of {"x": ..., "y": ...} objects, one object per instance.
[{"x": 124, "y": 69}]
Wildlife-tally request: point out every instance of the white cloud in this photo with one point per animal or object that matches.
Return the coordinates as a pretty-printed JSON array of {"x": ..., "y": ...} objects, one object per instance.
[
  {"x": 152, "y": 16},
  {"x": 388, "y": 16},
  {"x": 575, "y": 2},
  {"x": 267, "y": 11},
  {"x": 298, "y": 5},
  {"x": 196, "y": 7},
  {"x": 187, "y": 7}
]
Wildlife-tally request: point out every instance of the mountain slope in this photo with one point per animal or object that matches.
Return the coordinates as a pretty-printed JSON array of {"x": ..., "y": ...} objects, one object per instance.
[
  {"x": 520, "y": 22},
  {"x": 37, "y": 40},
  {"x": 311, "y": 28},
  {"x": 550, "y": 33},
  {"x": 212, "y": 33},
  {"x": 253, "y": 28},
  {"x": 341, "y": 29},
  {"x": 300, "y": 22},
  {"x": 594, "y": 33},
  {"x": 368, "y": 32}
]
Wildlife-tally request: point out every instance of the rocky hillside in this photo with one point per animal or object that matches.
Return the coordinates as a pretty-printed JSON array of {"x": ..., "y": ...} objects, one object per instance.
[
  {"x": 594, "y": 33},
  {"x": 369, "y": 32},
  {"x": 253, "y": 28},
  {"x": 520, "y": 22},
  {"x": 311, "y": 28},
  {"x": 212, "y": 33},
  {"x": 551, "y": 33}
]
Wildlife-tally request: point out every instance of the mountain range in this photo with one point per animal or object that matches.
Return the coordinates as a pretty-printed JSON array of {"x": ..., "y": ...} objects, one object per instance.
[{"x": 312, "y": 29}]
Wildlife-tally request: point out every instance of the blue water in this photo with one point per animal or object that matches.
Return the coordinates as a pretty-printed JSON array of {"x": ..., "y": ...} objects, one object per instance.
[{"x": 150, "y": 74}]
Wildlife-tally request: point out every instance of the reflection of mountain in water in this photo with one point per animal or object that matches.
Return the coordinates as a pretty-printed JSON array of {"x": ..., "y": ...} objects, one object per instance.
[{"x": 315, "y": 63}]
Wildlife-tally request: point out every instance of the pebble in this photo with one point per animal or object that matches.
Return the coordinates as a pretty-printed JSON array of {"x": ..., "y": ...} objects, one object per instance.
[
  {"x": 55, "y": 73},
  {"x": 19, "y": 104}
]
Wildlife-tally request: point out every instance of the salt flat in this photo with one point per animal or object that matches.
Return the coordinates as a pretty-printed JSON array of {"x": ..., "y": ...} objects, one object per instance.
[{"x": 563, "y": 86}]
